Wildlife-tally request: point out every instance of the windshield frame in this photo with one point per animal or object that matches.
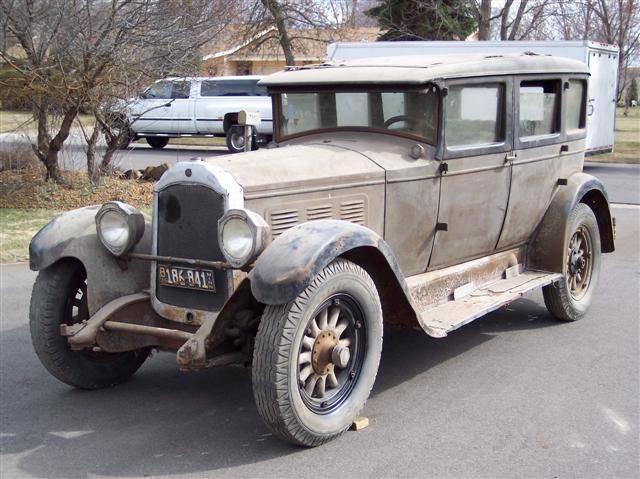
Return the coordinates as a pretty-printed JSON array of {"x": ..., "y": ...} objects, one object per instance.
[{"x": 276, "y": 98}]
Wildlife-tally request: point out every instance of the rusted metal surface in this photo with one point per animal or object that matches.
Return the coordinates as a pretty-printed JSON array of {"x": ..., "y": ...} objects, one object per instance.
[
  {"x": 173, "y": 260},
  {"x": 73, "y": 235},
  {"x": 147, "y": 330},
  {"x": 85, "y": 335},
  {"x": 294, "y": 258},
  {"x": 547, "y": 248},
  {"x": 441, "y": 320}
]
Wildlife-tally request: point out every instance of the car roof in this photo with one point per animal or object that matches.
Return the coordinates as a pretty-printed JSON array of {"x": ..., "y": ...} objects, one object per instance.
[
  {"x": 420, "y": 69},
  {"x": 222, "y": 78}
]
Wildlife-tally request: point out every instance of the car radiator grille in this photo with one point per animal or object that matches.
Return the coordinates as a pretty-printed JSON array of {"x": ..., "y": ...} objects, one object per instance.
[{"x": 187, "y": 227}]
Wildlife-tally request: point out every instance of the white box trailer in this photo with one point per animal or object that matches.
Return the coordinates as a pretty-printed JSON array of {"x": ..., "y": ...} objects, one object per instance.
[{"x": 602, "y": 60}]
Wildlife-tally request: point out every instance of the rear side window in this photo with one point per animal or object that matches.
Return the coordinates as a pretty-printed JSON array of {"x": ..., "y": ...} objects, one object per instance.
[
  {"x": 232, "y": 88},
  {"x": 539, "y": 108},
  {"x": 475, "y": 115},
  {"x": 576, "y": 105}
]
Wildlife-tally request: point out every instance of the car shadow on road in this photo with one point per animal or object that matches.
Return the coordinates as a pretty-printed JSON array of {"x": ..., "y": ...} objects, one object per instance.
[{"x": 165, "y": 422}]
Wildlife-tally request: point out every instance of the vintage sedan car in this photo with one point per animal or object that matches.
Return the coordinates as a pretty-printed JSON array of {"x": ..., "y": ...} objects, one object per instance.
[{"x": 418, "y": 192}]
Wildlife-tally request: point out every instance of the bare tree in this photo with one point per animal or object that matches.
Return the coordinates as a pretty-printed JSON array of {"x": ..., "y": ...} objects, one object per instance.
[
  {"x": 292, "y": 22},
  {"x": 81, "y": 52}
]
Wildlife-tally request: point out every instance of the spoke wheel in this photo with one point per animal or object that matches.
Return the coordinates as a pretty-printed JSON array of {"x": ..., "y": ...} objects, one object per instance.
[
  {"x": 569, "y": 299},
  {"x": 331, "y": 354},
  {"x": 579, "y": 262}
]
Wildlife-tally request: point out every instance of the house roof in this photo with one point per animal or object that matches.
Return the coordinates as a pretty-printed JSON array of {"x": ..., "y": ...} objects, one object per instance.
[{"x": 420, "y": 69}]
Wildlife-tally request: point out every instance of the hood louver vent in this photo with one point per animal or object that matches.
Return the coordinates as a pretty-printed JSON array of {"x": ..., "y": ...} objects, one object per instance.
[
  {"x": 352, "y": 211},
  {"x": 321, "y": 212},
  {"x": 283, "y": 220}
]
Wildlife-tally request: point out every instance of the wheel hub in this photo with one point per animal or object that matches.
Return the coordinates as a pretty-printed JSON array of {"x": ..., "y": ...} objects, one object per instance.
[
  {"x": 321, "y": 353},
  {"x": 578, "y": 262}
]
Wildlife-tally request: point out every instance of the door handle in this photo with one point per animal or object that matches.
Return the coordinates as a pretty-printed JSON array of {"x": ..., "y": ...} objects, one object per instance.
[{"x": 510, "y": 157}]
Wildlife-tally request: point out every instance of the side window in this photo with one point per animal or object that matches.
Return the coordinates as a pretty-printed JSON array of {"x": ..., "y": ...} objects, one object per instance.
[
  {"x": 232, "y": 88},
  {"x": 475, "y": 115},
  {"x": 161, "y": 90},
  {"x": 576, "y": 105},
  {"x": 181, "y": 89},
  {"x": 539, "y": 108},
  {"x": 209, "y": 88}
]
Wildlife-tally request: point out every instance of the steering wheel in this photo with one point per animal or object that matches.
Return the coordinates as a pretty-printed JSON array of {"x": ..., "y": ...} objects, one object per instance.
[{"x": 395, "y": 119}]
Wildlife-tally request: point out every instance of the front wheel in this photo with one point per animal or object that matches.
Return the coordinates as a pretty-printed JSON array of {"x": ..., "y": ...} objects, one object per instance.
[
  {"x": 316, "y": 357},
  {"x": 570, "y": 298},
  {"x": 60, "y": 297}
]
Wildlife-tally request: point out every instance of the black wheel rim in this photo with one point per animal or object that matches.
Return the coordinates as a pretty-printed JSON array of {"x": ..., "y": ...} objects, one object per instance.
[
  {"x": 579, "y": 262},
  {"x": 326, "y": 374},
  {"x": 77, "y": 310}
]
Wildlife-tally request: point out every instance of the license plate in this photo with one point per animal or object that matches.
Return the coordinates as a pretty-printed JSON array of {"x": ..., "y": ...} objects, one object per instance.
[{"x": 189, "y": 278}]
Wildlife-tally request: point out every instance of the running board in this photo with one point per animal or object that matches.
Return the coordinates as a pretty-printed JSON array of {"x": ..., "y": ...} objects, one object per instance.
[{"x": 471, "y": 302}]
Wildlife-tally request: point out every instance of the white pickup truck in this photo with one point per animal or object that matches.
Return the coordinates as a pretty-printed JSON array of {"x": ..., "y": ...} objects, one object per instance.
[{"x": 198, "y": 106}]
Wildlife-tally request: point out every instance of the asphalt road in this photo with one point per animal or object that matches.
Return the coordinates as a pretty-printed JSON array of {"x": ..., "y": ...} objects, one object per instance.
[{"x": 514, "y": 394}]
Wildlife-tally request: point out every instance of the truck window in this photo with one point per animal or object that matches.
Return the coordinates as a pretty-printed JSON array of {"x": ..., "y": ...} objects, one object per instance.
[
  {"x": 232, "y": 88},
  {"x": 539, "y": 108},
  {"x": 576, "y": 105},
  {"x": 181, "y": 89},
  {"x": 161, "y": 89},
  {"x": 475, "y": 115}
]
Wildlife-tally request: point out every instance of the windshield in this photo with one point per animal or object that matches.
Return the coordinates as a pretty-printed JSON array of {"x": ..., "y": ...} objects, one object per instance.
[{"x": 413, "y": 113}]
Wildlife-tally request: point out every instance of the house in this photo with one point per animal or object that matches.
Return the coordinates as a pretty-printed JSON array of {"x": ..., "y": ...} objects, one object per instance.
[{"x": 261, "y": 54}]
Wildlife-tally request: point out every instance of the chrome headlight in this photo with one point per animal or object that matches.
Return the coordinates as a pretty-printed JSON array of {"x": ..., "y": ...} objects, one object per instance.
[
  {"x": 242, "y": 236},
  {"x": 120, "y": 226}
]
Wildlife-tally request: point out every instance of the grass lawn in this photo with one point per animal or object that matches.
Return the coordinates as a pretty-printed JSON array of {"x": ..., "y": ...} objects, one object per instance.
[
  {"x": 17, "y": 227},
  {"x": 627, "y": 146},
  {"x": 21, "y": 121}
]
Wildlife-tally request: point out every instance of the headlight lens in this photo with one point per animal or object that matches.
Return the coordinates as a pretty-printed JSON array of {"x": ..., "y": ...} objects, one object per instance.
[
  {"x": 114, "y": 229},
  {"x": 119, "y": 226},
  {"x": 242, "y": 236},
  {"x": 237, "y": 239}
]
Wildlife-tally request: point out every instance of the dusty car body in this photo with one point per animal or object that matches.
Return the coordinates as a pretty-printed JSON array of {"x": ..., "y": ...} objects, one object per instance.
[{"x": 395, "y": 193}]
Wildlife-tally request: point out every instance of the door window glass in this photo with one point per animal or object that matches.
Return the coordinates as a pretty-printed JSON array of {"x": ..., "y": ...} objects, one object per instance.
[
  {"x": 576, "y": 104},
  {"x": 475, "y": 115},
  {"x": 181, "y": 89},
  {"x": 539, "y": 106},
  {"x": 161, "y": 89}
]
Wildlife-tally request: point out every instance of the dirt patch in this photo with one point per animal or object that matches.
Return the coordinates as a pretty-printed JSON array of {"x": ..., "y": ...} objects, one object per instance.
[{"x": 27, "y": 188}]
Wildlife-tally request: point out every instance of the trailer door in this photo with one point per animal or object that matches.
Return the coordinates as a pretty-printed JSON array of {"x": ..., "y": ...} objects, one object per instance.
[{"x": 601, "y": 110}]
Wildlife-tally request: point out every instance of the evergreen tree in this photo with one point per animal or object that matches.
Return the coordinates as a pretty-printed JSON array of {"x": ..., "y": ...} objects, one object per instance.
[
  {"x": 633, "y": 91},
  {"x": 405, "y": 20}
]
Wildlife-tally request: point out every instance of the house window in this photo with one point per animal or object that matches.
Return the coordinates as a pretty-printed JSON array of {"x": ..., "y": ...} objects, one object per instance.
[
  {"x": 243, "y": 68},
  {"x": 475, "y": 115},
  {"x": 539, "y": 108}
]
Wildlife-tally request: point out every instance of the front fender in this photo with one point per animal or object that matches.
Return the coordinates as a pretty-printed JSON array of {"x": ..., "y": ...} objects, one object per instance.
[
  {"x": 288, "y": 265},
  {"x": 73, "y": 235},
  {"x": 547, "y": 247}
]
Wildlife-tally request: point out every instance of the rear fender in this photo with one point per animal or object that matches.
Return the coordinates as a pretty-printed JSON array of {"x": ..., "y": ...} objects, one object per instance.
[
  {"x": 547, "y": 247},
  {"x": 73, "y": 235}
]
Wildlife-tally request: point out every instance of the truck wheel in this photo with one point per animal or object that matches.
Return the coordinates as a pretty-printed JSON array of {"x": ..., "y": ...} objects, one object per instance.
[
  {"x": 569, "y": 299},
  {"x": 316, "y": 357},
  {"x": 157, "y": 143},
  {"x": 60, "y": 297},
  {"x": 235, "y": 139}
]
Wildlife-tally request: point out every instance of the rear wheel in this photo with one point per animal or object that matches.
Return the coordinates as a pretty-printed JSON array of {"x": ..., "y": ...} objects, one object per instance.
[
  {"x": 316, "y": 358},
  {"x": 157, "y": 142},
  {"x": 570, "y": 298},
  {"x": 60, "y": 297},
  {"x": 235, "y": 139}
]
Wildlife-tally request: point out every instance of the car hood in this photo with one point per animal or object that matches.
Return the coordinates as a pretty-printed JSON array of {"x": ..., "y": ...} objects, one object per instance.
[{"x": 293, "y": 169}]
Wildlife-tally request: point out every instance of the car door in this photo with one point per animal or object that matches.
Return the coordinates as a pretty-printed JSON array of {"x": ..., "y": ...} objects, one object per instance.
[
  {"x": 150, "y": 113},
  {"x": 475, "y": 170},
  {"x": 538, "y": 144},
  {"x": 182, "y": 107}
]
